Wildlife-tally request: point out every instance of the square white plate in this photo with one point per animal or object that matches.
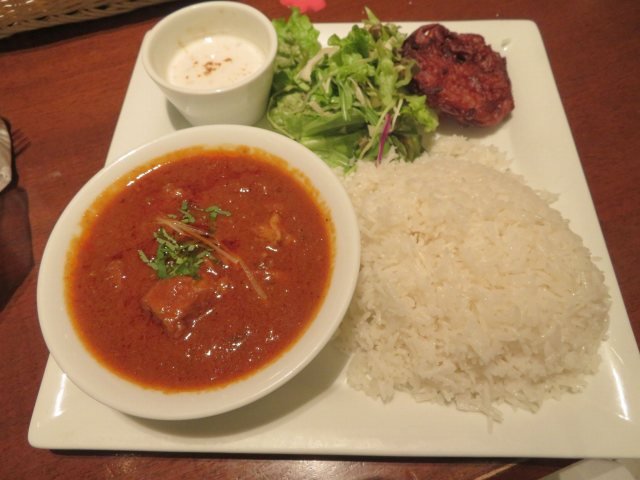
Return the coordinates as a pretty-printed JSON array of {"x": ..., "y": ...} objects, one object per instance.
[{"x": 317, "y": 413}]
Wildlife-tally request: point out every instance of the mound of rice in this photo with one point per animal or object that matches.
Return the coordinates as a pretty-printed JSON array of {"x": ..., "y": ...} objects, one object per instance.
[{"x": 473, "y": 291}]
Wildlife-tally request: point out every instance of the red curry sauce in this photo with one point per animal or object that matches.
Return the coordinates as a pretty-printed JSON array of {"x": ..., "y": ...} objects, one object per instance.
[{"x": 275, "y": 225}]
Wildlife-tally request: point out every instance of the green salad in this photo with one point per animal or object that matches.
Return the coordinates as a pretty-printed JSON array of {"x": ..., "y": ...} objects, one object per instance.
[{"x": 349, "y": 100}]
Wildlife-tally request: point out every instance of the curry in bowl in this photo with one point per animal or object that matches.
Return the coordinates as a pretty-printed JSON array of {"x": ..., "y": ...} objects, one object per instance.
[
  {"x": 199, "y": 272},
  {"x": 198, "y": 269}
]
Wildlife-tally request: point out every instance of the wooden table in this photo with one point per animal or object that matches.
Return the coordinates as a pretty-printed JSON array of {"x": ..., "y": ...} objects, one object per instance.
[{"x": 62, "y": 89}]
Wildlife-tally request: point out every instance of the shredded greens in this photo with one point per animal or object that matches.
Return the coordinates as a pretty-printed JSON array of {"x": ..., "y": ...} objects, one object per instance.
[{"x": 349, "y": 100}]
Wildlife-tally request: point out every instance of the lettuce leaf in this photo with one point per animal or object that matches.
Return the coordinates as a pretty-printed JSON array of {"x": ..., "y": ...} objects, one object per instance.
[{"x": 337, "y": 100}]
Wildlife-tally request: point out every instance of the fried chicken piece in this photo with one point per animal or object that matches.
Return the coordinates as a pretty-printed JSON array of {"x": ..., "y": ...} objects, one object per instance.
[{"x": 460, "y": 74}]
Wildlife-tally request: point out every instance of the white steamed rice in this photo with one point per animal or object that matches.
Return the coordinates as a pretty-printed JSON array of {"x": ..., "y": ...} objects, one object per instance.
[{"x": 473, "y": 291}]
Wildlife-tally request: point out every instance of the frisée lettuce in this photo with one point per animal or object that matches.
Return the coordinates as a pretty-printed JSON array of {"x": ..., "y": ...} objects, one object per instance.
[{"x": 349, "y": 100}]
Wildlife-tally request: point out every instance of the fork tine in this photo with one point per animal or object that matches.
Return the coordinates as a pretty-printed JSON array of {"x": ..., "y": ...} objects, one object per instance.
[{"x": 20, "y": 141}]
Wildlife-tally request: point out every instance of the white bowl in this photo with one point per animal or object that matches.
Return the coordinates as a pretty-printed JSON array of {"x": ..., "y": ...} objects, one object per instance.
[
  {"x": 243, "y": 102},
  {"x": 110, "y": 389}
]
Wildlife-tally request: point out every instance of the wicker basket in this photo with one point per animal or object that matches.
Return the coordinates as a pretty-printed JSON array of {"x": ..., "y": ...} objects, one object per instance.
[{"x": 23, "y": 15}]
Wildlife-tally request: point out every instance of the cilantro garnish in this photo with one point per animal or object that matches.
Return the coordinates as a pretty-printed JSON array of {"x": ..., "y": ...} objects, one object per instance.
[
  {"x": 215, "y": 210},
  {"x": 175, "y": 257},
  {"x": 187, "y": 217}
]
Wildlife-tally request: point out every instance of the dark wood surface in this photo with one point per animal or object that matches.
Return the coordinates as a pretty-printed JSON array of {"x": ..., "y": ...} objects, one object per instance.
[{"x": 62, "y": 89}]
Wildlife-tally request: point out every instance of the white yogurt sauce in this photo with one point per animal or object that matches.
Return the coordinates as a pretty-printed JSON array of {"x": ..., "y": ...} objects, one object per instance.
[{"x": 216, "y": 61}]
